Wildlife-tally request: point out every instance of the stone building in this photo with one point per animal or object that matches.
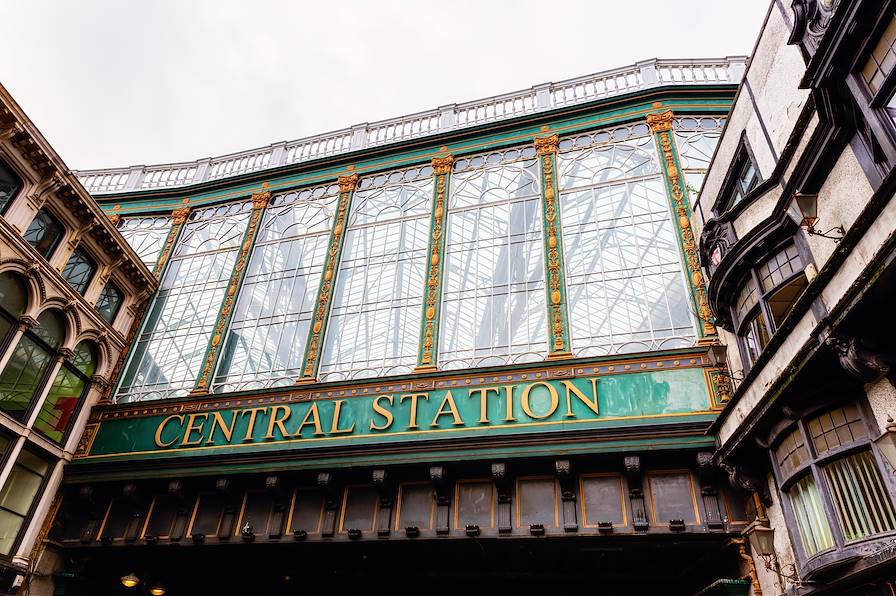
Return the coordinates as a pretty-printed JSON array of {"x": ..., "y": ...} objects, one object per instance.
[
  {"x": 796, "y": 224},
  {"x": 71, "y": 289}
]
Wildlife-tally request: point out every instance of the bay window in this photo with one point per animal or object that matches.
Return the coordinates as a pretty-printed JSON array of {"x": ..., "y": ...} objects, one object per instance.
[{"x": 831, "y": 475}]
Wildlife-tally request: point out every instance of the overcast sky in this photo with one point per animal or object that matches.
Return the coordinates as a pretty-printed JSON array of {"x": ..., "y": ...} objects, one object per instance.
[{"x": 120, "y": 82}]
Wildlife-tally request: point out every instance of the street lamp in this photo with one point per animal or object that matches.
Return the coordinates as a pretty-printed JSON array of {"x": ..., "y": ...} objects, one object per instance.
[
  {"x": 130, "y": 580},
  {"x": 803, "y": 210}
]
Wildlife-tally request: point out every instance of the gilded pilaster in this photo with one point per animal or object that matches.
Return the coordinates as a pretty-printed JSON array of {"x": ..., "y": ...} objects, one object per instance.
[
  {"x": 347, "y": 186},
  {"x": 260, "y": 202},
  {"x": 661, "y": 126},
  {"x": 427, "y": 356},
  {"x": 555, "y": 285},
  {"x": 178, "y": 219}
]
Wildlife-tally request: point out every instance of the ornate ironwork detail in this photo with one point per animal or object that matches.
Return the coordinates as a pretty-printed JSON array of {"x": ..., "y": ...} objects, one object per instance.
[
  {"x": 558, "y": 346},
  {"x": 347, "y": 186},
  {"x": 178, "y": 219},
  {"x": 86, "y": 440},
  {"x": 441, "y": 167},
  {"x": 720, "y": 383},
  {"x": 661, "y": 126},
  {"x": 259, "y": 204}
]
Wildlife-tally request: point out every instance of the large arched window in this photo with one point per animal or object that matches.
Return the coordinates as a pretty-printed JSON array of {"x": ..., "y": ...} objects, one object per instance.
[
  {"x": 69, "y": 387},
  {"x": 10, "y": 185},
  {"x": 13, "y": 301},
  {"x": 25, "y": 372}
]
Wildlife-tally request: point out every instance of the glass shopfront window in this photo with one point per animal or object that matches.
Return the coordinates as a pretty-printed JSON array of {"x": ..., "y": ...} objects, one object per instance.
[
  {"x": 269, "y": 330},
  {"x": 625, "y": 284},
  {"x": 377, "y": 301},
  {"x": 828, "y": 469}
]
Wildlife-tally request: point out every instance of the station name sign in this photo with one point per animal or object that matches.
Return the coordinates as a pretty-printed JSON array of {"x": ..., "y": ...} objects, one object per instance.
[{"x": 457, "y": 410}]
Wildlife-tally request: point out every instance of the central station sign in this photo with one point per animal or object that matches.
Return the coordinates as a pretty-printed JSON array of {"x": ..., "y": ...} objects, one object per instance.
[{"x": 548, "y": 405}]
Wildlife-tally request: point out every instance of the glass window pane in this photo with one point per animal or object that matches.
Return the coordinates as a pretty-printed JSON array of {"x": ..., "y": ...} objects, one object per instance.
[
  {"x": 171, "y": 347},
  {"x": 756, "y": 336},
  {"x": 44, "y": 233},
  {"x": 882, "y": 60},
  {"x": 493, "y": 297},
  {"x": 266, "y": 341},
  {"x": 22, "y": 376},
  {"x": 791, "y": 453},
  {"x": 18, "y": 494},
  {"x": 781, "y": 302},
  {"x": 64, "y": 396},
  {"x": 860, "y": 497},
  {"x": 626, "y": 288},
  {"x": 374, "y": 323},
  {"x": 13, "y": 294},
  {"x": 146, "y": 235},
  {"x": 779, "y": 267},
  {"x": 836, "y": 428},
  {"x": 10, "y": 185},
  {"x": 79, "y": 270},
  {"x": 109, "y": 302},
  {"x": 811, "y": 520}
]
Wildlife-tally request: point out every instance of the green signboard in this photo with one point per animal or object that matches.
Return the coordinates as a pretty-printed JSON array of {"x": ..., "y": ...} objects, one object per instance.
[{"x": 543, "y": 406}]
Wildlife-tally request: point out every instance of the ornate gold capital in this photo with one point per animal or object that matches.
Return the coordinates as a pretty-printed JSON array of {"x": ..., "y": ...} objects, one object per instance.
[
  {"x": 261, "y": 199},
  {"x": 660, "y": 122},
  {"x": 179, "y": 216},
  {"x": 348, "y": 183},
  {"x": 442, "y": 165},
  {"x": 547, "y": 145}
]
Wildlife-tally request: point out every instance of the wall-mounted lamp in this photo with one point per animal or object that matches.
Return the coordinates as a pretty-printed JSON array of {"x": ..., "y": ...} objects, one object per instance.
[
  {"x": 130, "y": 580},
  {"x": 803, "y": 209},
  {"x": 761, "y": 537},
  {"x": 157, "y": 590},
  {"x": 886, "y": 442}
]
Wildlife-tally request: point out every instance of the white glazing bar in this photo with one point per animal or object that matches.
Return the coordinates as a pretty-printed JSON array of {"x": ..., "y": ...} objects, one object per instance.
[{"x": 646, "y": 74}]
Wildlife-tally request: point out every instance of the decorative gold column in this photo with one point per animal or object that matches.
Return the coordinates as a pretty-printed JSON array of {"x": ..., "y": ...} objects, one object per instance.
[
  {"x": 427, "y": 356},
  {"x": 661, "y": 126},
  {"x": 260, "y": 202},
  {"x": 555, "y": 284},
  {"x": 347, "y": 186},
  {"x": 178, "y": 219}
]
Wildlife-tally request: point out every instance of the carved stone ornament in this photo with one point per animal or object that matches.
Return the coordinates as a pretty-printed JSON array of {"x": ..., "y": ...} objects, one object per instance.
[
  {"x": 743, "y": 479},
  {"x": 179, "y": 216},
  {"x": 348, "y": 183},
  {"x": 547, "y": 145},
  {"x": 261, "y": 199},
  {"x": 660, "y": 122},
  {"x": 859, "y": 362},
  {"x": 810, "y": 23}
]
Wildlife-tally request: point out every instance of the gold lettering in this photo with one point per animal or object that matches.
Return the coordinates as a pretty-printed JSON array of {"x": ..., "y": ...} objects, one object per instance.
[
  {"x": 218, "y": 421},
  {"x": 448, "y": 400},
  {"x": 572, "y": 389},
  {"x": 278, "y": 420},
  {"x": 311, "y": 417},
  {"x": 483, "y": 401},
  {"x": 508, "y": 395},
  {"x": 386, "y": 414},
  {"x": 524, "y": 400},
  {"x": 413, "y": 397},
  {"x": 161, "y": 429},
  {"x": 334, "y": 428},
  {"x": 253, "y": 412},
  {"x": 191, "y": 428}
]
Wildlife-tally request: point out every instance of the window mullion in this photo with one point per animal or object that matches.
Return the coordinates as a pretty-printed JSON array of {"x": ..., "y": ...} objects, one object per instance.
[
  {"x": 260, "y": 202},
  {"x": 555, "y": 284},
  {"x": 314, "y": 345},
  {"x": 45, "y": 383},
  {"x": 428, "y": 351}
]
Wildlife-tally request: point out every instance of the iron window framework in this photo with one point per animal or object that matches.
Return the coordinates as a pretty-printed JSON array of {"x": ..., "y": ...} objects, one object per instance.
[
  {"x": 44, "y": 233},
  {"x": 766, "y": 297},
  {"x": 146, "y": 235},
  {"x": 836, "y": 489},
  {"x": 10, "y": 186},
  {"x": 79, "y": 270}
]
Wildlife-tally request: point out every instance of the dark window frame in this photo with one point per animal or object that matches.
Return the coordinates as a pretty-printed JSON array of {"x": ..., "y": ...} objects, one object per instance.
[
  {"x": 5, "y": 165},
  {"x": 842, "y": 547},
  {"x": 51, "y": 250},
  {"x": 117, "y": 310},
  {"x": 731, "y": 184},
  {"x": 86, "y": 257},
  {"x": 82, "y": 398}
]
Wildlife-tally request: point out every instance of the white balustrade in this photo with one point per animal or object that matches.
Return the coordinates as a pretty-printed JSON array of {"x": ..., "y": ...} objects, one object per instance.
[{"x": 643, "y": 75}]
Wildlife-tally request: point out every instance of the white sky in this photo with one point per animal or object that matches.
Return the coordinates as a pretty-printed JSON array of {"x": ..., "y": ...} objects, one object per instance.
[{"x": 120, "y": 82}]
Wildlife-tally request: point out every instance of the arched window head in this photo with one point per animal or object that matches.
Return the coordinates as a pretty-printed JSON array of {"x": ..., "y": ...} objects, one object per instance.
[
  {"x": 13, "y": 293},
  {"x": 51, "y": 327}
]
